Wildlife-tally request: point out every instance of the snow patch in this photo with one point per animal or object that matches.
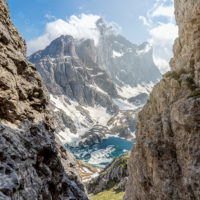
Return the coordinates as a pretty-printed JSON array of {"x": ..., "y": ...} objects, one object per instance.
[
  {"x": 145, "y": 50},
  {"x": 83, "y": 123},
  {"x": 124, "y": 104},
  {"x": 127, "y": 91},
  {"x": 101, "y": 156},
  {"x": 117, "y": 54},
  {"x": 99, "y": 114}
]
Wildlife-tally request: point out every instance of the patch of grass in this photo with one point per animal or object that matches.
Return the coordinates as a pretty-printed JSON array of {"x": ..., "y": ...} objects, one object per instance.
[
  {"x": 127, "y": 156},
  {"x": 107, "y": 195},
  {"x": 3, "y": 120},
  {"x": 123, "y": 165}
]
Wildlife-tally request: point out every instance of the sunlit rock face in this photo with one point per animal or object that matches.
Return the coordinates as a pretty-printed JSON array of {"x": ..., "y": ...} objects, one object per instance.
[
  {"x": 30, "y": 156},
  {"x": 75, "y": 77},
  {"x": 164, "y": 162},
  {"x": 127, "y": 63},
  {"x": 91, "y": 84}
]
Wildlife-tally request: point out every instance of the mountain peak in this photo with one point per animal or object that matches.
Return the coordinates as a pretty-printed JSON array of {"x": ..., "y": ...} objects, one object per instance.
[{"x": 103, "y": 27}]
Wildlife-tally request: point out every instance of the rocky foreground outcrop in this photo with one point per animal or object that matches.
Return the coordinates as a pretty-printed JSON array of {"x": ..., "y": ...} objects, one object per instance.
[
  {"x": 30, "y": 161},
  {"x": 165, "y": 161}
]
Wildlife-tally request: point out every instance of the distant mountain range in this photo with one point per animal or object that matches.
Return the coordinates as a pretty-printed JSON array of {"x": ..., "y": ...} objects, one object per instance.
[{"x": 96, "y": 90}]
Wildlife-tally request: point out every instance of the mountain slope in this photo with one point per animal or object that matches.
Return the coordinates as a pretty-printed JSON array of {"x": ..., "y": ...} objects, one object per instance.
[
  {"x": 114, "y": 176},
  {"x": 64, "y": 73},
  {"x": 165, "y": 163},
  {"x": 127, "y": 63},
  {"x": 87, "y": 82}
]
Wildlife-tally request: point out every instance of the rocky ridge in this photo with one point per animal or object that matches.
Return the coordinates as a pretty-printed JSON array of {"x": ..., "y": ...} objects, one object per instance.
[
  {"x": 114, "y": 176},
  {"x": 30, "y": 155},
  {"x": 89, "y": 83},
  {"x": 65, "y": 73},
  {"x": 126, "y": 63},
  {"x": 164, "y": 162}
]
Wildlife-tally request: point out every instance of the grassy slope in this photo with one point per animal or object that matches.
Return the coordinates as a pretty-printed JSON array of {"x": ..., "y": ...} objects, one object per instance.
[{"x": 107, "y": 195}]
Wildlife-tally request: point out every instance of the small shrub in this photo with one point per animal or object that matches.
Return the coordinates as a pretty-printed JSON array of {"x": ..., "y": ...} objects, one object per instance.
[
  {"x": 182, "y": 71},
  {"x": 191, "y": 84},
  {"x": 172, "y": 74},
  {"x": 123, "y": 165},
  {"x": 196, "y": 93},
  {"x": 173, "y": 153},
  {"x": 110, "y": 184}
]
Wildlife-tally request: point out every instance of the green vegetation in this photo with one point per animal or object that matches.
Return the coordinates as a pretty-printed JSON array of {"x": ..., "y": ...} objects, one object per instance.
[
  {"x": 3, "y": 120},
  {"x": 173, "y": 153},
  {"x": 196, "y": 93},
  {"x": 123, "y": 165},
  {"x": 107, "y": 195},
  {"x": 93, "y": 185},
  {"x": 110, "y": 184},
  {"x": 127, "y": 156},
  {"x": 191, "y": 84},
  {"x": 172, "y": 74},
  {"x": 182, "y": 71}
]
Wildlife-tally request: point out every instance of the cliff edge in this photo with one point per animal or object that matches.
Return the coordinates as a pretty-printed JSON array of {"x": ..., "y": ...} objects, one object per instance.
[{"x": 165, "y": 162}]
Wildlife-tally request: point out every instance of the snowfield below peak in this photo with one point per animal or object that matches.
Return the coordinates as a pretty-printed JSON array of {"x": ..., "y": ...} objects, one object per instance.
[{"x": 117, "y": 54}]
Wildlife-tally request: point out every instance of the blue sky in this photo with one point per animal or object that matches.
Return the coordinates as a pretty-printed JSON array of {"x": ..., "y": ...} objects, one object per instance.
[{"x": 139, "y": 21}]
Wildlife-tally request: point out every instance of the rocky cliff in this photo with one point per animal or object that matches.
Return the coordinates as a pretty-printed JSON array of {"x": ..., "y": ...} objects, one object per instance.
[
  {"x": 114, "y": 176},
  {"x": 66, "y": 73},
  {"x": 165, "y": 161},
  {"x": 30, "y": 161},
  {"x": 126, "y": 63},
  {"x": 94, "y": 86}
]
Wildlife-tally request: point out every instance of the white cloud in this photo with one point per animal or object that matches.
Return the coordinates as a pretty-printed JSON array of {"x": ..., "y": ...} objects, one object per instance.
[
  {"x": 161, "y": 10},
  {"x": 80, "y": 27},
  {"x": 162, "y": 29},
  {"x": 163, "y": 35},
  {"x": 50, "y": 17},
  {"x": 162, "y": 64},
  {"x": 145, "y": 22}
]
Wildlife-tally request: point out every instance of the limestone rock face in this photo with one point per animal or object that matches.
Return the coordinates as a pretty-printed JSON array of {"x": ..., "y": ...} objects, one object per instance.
[
  {"x": 164, "y": 162},
  {"x": 97, "y": 77},
  {"x": 30, "y": 155},
  {"x": 22, "y": 94},
  {"x": 71, "y": 70},
  {"x": 31, "y": 168},
  {"x": 127, "y": 63}
]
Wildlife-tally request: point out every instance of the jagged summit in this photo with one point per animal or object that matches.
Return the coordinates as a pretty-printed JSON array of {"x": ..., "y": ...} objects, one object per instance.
[
  {"x": 104, "y": 29},
  {"x": 69, "y": 67},
  {"x": 60, "y": 47}
]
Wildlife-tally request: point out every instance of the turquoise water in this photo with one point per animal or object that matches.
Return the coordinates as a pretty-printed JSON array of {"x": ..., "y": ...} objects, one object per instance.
[{"x": 103, "y": 153}]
